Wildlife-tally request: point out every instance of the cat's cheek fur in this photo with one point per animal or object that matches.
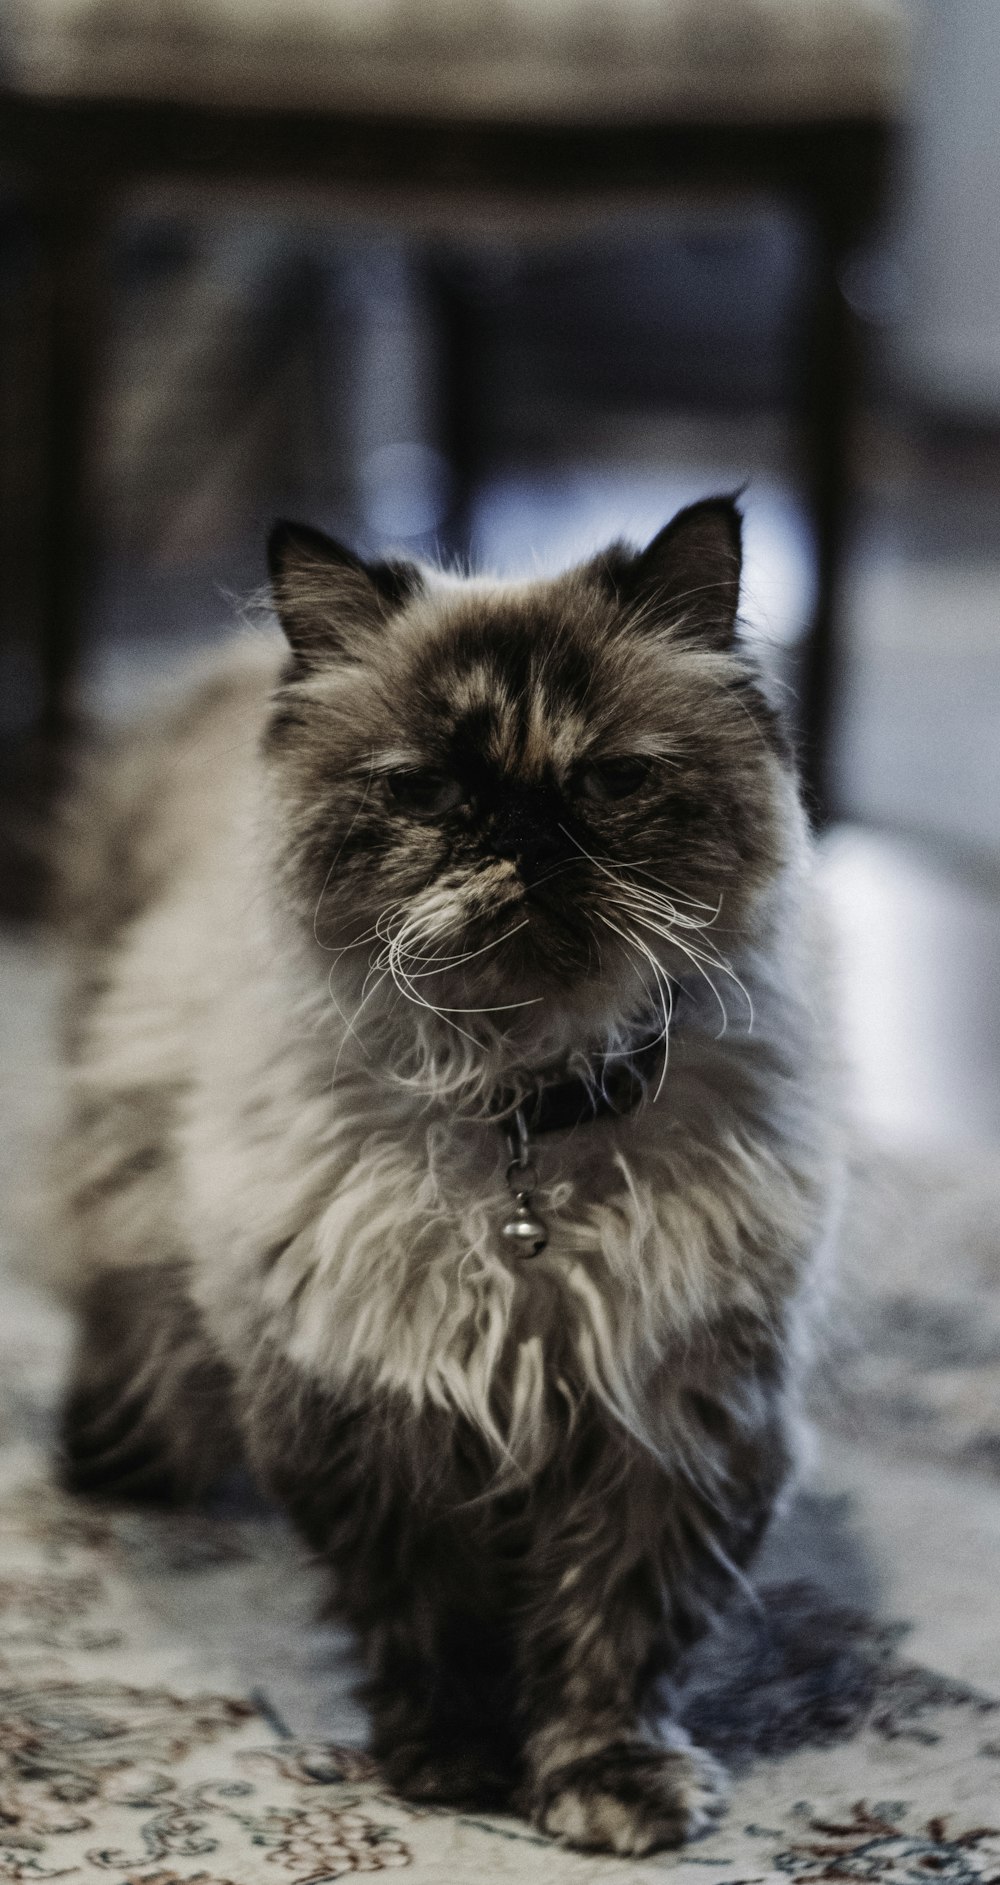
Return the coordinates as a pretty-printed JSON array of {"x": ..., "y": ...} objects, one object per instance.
[{"x": 534, "y": 1481}]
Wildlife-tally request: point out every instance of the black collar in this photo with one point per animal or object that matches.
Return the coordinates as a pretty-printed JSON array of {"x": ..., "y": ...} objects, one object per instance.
[{"x": 556, "y": 1106}]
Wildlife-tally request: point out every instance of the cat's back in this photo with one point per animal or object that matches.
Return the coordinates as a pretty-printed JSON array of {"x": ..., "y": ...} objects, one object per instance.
[
  {"x": 153, "y": 803},
  {"x": 155, "y": 864},
  {"x": 155, "y": 843}
]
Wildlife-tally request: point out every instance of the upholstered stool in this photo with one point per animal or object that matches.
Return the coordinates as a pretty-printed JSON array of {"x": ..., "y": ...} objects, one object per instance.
[
  {"x": 568, "y": 61},
  {"x": 451, "y": 114}
]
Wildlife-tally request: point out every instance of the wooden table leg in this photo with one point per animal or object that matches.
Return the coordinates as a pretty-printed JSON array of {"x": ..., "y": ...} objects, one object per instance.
[
  {"x": 831, "y": 399},
  {"x": 47, "y": 549},
  {"x": 70, "y": 234},
  {"x": 452, "y": 287}
]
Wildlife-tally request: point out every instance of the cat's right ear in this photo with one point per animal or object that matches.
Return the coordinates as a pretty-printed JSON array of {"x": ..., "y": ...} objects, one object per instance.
[
  {"x": 326, "y": 599},
  {"x": 688, "y": 577}
]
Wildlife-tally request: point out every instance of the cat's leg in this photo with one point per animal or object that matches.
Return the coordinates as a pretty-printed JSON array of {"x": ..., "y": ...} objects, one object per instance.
[
  {"x": 377, "y": 1501},
  {"x": 626, "y": 1573},
  {"x": 148, "y": 1412},
  {"x": 599, "y": 1774},
  {"x": 441, "y": 1693}
]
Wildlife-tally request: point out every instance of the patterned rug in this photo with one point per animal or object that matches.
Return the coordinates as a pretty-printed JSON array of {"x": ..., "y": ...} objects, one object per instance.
[{"x": 172, "y": 1710}]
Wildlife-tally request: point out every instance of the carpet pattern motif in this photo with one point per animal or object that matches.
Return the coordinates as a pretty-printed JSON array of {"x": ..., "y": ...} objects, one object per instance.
[{"x": 116, "y": 1766}]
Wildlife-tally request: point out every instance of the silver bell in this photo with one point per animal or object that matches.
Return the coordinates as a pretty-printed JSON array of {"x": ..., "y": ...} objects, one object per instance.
[{"x": 525, "y": 1231}]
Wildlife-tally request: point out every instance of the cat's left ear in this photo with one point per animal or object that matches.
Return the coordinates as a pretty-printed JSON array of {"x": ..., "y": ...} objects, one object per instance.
[
  {"x": 325, "y": 597},
  {"x": 688, "y": 578}
]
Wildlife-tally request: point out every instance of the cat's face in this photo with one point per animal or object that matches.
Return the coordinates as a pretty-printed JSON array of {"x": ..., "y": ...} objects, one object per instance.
[{"x": 552, "y": 794}]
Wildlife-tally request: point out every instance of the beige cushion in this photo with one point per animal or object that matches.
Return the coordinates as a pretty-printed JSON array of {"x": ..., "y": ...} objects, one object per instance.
[{"x": 534, "y": 60}]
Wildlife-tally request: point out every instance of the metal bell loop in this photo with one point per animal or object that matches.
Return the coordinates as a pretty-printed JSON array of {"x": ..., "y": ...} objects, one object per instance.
[{"x": 525, "y": 1232}]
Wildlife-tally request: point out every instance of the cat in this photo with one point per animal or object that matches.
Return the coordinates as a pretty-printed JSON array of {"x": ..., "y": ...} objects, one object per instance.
[{"x": 450, "y": 1139}]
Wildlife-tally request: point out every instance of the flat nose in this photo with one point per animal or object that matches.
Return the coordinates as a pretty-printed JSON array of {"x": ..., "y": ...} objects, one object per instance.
[{"x": 527, "y": 828}]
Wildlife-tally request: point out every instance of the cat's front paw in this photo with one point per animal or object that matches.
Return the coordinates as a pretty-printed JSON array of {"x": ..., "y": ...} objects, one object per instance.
[{"x": 631, "y": 1798}]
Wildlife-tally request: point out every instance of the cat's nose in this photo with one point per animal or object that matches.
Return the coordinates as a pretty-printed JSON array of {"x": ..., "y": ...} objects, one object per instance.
[{"x": 527, "y": 832}]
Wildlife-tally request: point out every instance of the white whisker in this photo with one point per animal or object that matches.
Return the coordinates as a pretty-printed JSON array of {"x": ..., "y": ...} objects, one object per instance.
[
  {"x": 699, "y": 956},
  {"x": 469, "y": 955},
  {"x": 664, "y": 991}
]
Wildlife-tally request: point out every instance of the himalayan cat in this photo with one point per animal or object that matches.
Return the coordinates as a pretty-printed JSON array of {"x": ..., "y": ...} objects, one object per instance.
[{"x": 449, "y": 1139}]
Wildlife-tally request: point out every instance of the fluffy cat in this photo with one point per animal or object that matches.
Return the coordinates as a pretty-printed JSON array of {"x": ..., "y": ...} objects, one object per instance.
[{"x": 469, "y": 876}]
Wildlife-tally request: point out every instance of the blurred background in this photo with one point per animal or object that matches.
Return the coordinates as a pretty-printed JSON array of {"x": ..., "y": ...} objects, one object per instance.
[
  {"x": 499, "y": 280},
  {"x": 499, "y": 283}
]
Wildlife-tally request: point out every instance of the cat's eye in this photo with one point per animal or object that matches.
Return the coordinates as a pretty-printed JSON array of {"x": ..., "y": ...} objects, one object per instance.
[
  {"x": 613, "y": 778},
  {"x": 423, "y": 793}
]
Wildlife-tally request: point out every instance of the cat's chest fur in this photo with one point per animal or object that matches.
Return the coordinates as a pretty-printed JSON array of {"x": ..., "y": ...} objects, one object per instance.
[{"x": 362, "y": 1234}]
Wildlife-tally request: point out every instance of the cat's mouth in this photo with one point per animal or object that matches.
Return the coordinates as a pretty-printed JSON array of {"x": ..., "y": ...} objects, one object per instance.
[
  {"x": 488, "y": 941},
  {"x": 516, "y": 939}
]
